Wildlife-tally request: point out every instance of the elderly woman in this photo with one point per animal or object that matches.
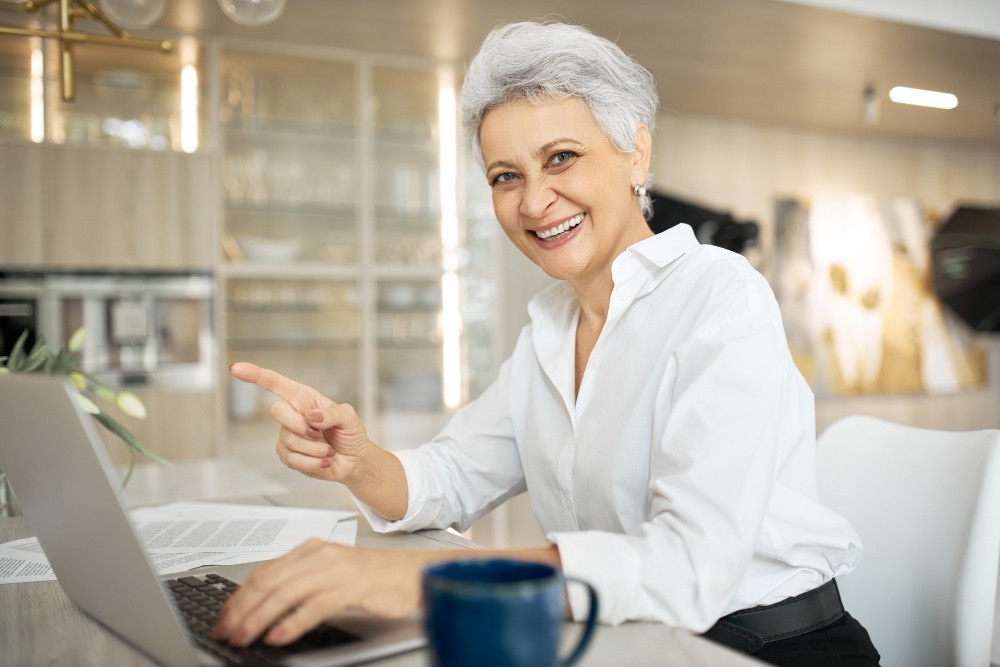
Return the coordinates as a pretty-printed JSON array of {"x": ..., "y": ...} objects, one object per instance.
[{"x": 651, "y": 409}]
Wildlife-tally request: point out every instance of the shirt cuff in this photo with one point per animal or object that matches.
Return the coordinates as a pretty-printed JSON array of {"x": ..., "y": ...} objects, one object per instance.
[
  {"x": 420, "y": 488},
  {"x": 585, "y": 555}
]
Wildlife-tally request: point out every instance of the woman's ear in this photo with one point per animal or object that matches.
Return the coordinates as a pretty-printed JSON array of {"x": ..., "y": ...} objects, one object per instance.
[{"x": 642, "y": 154}]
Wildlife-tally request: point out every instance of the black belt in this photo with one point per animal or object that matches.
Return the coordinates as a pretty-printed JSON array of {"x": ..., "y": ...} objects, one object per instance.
[{"x": 749, "y": 629}]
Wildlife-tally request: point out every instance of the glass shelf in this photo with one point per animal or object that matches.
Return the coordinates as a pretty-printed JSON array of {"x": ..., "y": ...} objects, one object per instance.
[
  {"x": 136, "y": 105},
  {"x": 288, "y": 130}
]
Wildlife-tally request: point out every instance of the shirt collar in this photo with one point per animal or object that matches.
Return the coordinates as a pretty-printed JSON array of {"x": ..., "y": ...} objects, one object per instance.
[
  {"x": 658, "y": 250},
  {"x": 635, "y": 272}
]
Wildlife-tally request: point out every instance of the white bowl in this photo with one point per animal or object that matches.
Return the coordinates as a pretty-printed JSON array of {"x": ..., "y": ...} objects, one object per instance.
[{"x": 259, "y": 249}]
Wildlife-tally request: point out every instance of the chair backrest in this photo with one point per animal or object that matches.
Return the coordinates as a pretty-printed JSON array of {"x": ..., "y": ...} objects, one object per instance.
[{"x": 926, "y": 505}]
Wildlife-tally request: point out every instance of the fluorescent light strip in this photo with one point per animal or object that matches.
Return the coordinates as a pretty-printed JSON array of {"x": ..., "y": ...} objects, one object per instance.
[
  {"x": 189, "y": 109},
  {"x": 923, "y": 98},
  {"x": 451, "y": 313},
  {"x": 37, "y": 96}
]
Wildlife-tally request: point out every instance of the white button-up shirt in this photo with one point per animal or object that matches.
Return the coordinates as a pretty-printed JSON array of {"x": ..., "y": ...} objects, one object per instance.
[{"x": 680, "y": 482}]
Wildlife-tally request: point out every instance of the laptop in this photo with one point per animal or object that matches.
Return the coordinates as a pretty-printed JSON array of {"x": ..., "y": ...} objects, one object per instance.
[{"x": 69, "y": 491}]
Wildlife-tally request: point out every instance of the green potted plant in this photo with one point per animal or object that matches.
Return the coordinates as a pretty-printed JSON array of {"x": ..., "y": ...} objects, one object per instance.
[{"x": 92, "y": 392}]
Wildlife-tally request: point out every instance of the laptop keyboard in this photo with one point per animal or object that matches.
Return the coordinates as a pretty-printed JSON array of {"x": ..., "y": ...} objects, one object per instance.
[{"x": 200, "y": 598}]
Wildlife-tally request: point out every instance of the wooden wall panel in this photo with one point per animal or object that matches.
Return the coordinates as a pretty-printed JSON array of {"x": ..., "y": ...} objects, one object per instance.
[
  {"x": 21, "y": 192},
  {"x": 129, "y": 210}
]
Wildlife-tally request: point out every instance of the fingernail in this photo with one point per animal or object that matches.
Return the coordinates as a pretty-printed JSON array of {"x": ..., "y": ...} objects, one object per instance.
[
  {"x": 314, "y": 433},
  {"x": 221, "y": 633},
  {"x": 315, "y": 416},
  {"x": 330, "y": 451},
  {"x": 277, "y": 636},
  {"x": 325, "y": 463}
]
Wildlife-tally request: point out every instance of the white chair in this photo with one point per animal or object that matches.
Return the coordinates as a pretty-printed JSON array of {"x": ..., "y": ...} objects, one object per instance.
[{"x": 926, "y": 505}]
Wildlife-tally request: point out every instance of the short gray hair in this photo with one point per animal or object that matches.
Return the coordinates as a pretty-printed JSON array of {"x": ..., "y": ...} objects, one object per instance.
[{"x": 536, "y": 61}]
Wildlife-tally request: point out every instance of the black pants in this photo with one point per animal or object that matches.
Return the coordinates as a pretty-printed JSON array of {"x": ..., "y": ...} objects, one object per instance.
[{"x": 844, "y": 644}]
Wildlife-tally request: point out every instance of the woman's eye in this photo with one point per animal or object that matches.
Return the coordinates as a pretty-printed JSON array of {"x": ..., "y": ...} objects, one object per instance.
[
  {"x": 561, "y": 158},
  {"x": 500, "y": 179}
]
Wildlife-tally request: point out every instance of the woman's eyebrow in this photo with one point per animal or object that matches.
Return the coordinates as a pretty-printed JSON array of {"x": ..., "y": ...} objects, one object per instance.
[
  {"x": 542, "y": 150},
  {"x": 545, "y": 148},
  {"x": 500, "y": 163}
]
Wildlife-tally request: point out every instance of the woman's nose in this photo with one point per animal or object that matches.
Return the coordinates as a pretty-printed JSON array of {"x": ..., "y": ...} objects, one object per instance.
[{"x": 537, "y": 198}]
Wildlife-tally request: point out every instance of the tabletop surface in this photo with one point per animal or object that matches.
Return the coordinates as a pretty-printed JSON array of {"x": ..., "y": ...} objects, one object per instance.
[{"x": 39, "y": 625}]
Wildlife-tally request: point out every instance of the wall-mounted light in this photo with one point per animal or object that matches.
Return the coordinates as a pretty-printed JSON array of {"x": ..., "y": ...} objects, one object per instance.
[
  {"x": 189, "y": 109},
  {"x": 451, "y": 309},
  {"x": 923, "y": 98},
  {"x": 37, "y": 95}
]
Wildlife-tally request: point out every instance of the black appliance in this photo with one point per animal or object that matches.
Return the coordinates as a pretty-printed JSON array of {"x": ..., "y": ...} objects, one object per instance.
[
  {"x": 712, "y": 227},
  {"x": 965, "y": 260},
  {"x": 20, "y": 298}
]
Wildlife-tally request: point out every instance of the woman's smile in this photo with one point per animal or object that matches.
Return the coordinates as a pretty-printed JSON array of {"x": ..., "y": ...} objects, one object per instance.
[{"x": 559, "y": 231}]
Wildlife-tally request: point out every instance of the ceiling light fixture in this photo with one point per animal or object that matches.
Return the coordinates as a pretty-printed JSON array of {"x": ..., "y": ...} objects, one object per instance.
[
  {"x": 133, "y": 14},
  {"x": 68, "y": 37},
  {"x": 252, "y": 12},
  {"x": 117, "y": 16},
  {"x": 923, "y": 98}
]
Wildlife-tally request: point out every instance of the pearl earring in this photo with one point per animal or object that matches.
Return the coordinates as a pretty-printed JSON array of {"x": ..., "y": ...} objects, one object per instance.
[{"x": 639, "y": 190}]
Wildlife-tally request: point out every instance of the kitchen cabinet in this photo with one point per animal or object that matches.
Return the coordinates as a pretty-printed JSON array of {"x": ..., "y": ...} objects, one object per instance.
[
  {"x": 344, "y": 262},
  {"x": 127, "y": 210},
  {"x": 21, "y": 191},
  {"x": 112, "y": 180},
  {"x": 89, "y": 207}
]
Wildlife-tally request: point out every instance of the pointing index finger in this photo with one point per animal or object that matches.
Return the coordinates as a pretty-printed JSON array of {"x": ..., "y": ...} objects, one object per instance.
[{"x": 295, "y": 393}]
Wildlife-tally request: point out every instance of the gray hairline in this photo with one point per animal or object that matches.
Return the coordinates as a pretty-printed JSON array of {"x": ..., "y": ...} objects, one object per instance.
[{"x": 619, "y": 126}]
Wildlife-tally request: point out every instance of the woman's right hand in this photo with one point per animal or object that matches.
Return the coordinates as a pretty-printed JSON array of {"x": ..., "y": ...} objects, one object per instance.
[{"x": 319, "y": 437}]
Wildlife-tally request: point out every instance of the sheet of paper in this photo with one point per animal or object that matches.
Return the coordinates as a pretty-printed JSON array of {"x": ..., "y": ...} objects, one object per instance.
[
  {"x": 227, "y": 528},
  {"x": 186, "y": 535}
]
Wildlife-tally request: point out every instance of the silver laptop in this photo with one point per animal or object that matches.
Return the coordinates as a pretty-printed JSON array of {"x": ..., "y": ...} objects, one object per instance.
[{"x": 66, "y": 485}]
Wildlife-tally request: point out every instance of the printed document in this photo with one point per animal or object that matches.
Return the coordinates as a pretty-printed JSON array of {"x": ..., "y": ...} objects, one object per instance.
[{"x": 181, "y": 536}]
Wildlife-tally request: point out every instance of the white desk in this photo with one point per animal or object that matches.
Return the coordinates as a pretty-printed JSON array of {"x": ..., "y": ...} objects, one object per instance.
[{"x": 40, "y": 626}]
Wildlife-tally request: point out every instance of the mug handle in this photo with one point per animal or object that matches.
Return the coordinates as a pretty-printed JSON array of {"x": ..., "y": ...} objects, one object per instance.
[{"x": 588, "y": 631}]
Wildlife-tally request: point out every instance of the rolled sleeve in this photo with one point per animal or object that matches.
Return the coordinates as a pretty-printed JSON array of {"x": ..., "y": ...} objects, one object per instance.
[{"x": 423, "y": 497}]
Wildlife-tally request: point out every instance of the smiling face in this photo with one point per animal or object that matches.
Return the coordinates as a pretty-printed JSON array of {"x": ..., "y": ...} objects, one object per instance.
[{"x": 562, "y": 191}]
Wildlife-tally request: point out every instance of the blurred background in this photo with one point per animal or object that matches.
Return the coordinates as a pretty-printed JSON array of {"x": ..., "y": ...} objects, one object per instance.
[{"x": 288, "y": 185}]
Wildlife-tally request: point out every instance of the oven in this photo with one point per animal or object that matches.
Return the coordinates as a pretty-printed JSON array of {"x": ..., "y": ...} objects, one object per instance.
[
  {"x": 144, "y": 329},
  {"x": 20, "y": 299}
]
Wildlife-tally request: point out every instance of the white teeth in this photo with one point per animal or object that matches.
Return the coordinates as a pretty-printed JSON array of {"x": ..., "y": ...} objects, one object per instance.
[{"x": 559, "y": 229}]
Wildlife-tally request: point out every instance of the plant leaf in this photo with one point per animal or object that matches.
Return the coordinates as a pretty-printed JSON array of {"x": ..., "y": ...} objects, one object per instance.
[
  {"x": 60, "y": 364},
  {"x": 17, "y": 356},
  {"x": 40, "y": 354},
  {"x": 131, "y": 467},
  {"x": 112, "y": 425}
]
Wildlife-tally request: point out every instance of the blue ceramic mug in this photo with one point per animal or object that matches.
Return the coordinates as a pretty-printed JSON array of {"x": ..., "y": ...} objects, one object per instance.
[{"x": 498, "y": 613}]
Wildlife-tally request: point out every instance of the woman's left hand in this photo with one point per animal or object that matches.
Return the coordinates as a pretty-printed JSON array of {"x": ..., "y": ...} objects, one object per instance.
[{"x": 287, "y": 597}]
